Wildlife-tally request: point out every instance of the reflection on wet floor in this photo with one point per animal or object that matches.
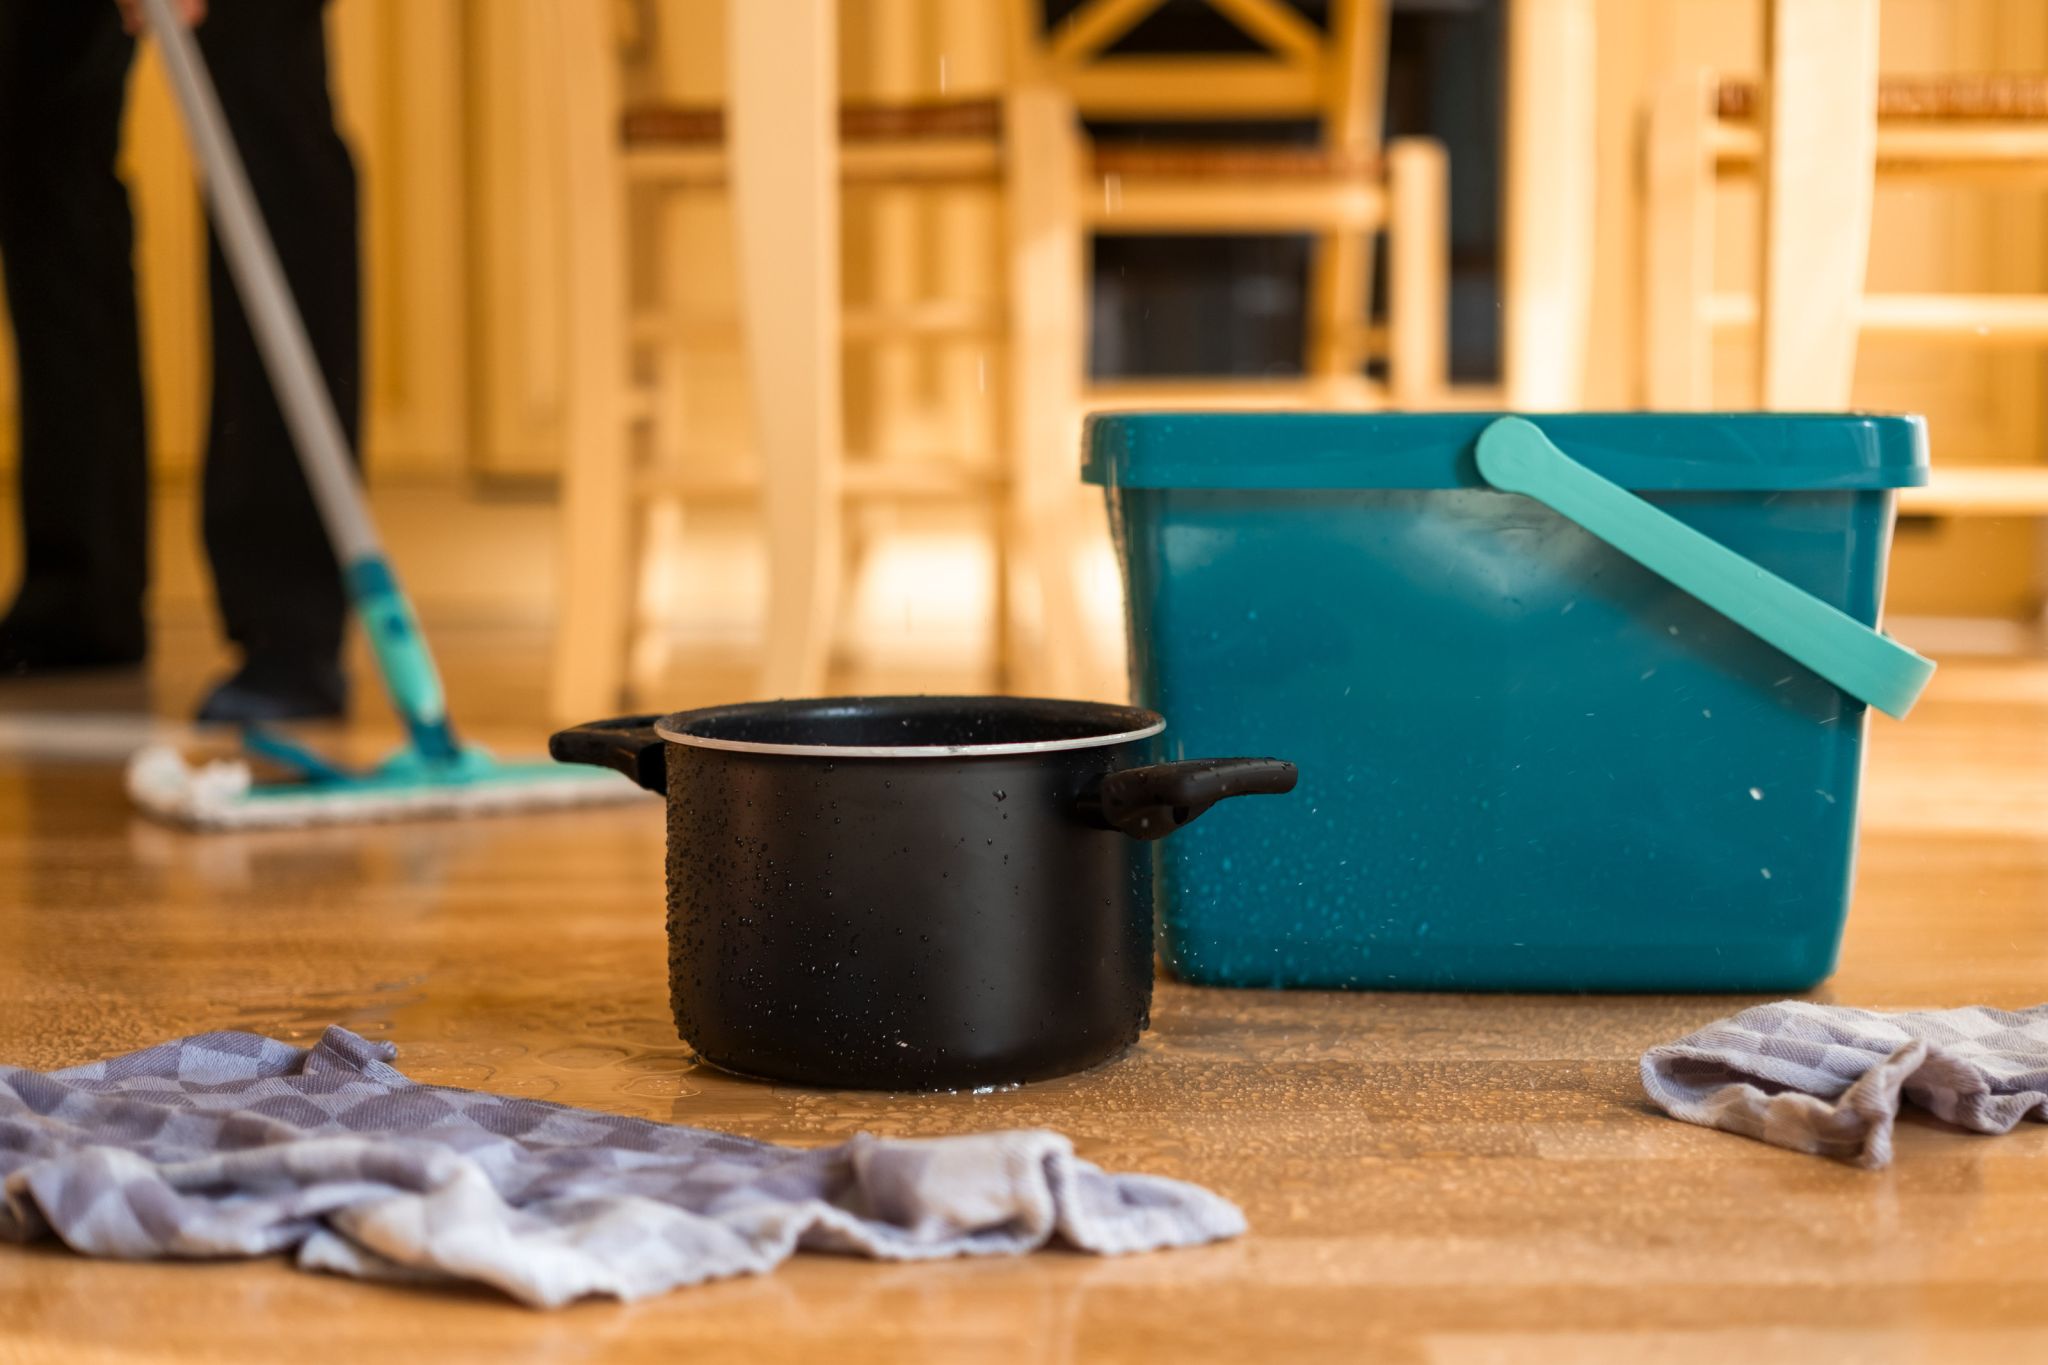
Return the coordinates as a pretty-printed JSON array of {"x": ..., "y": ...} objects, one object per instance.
[{"x": 1412, "y": 1165}]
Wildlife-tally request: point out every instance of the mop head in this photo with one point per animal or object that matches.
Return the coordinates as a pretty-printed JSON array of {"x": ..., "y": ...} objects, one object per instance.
[{"x": 222, "y": 794}]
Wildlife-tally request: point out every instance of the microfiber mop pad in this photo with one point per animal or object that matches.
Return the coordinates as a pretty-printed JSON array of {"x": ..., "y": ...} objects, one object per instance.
[{"x": 222, "y": 794}]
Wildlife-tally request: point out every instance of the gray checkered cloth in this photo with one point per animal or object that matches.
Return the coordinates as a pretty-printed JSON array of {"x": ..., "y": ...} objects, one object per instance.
[
  {"x": 228, "y": 1145},
  {"x": 1829, "y": 1079}
]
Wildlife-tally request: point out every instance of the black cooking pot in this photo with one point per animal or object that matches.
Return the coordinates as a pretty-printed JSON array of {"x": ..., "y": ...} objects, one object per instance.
[{"x": 912, "y": 893}]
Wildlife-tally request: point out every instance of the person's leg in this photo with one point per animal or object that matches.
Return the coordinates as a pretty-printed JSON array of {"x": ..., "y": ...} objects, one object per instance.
[
  {"x": 66, "y": 245},
  {"x": 279, "y": 587}
]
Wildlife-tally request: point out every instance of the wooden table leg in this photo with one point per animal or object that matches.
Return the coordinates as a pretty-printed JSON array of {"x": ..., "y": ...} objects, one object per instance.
[
  {"x": 1818, "y": 173},
  {"x": 1551, "y": 166},
  {"x": 597, "y": 604},
  {"x": 1678, "y": 246},
  {"x": 783, "y": 148},
  {"x": 1048, "y": 361}
]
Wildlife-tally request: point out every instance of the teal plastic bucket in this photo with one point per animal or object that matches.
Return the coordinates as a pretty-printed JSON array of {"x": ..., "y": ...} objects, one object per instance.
[{"x": 1528, "y": 761}]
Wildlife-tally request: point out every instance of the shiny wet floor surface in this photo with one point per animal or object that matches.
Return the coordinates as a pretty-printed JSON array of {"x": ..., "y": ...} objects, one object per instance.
[{"x": 1428, "y": 1178}]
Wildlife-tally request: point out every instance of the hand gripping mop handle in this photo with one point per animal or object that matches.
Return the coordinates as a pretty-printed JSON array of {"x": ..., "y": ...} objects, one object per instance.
[
  {"x": 1516, "y": 457},
  {"x": 402, "y": 657}
]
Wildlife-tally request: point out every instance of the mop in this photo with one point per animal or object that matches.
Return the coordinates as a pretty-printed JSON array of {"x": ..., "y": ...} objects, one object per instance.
[{"x": 434, "y": 773}]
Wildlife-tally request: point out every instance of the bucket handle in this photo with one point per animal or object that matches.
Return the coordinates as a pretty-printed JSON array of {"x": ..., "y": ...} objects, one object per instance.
[{"x": 1516, "y": 457}]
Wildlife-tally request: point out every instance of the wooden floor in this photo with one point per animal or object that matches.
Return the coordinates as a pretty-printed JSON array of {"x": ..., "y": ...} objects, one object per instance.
[{"x": 1428, "y": 1178}]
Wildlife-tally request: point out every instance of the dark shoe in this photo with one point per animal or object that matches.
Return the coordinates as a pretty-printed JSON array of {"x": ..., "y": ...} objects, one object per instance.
[
  {"x": 263, "y": 691},
  {"x": 42, "y": 635}
]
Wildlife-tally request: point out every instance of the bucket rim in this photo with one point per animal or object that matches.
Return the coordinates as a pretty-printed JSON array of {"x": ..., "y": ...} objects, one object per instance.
[{"x": 1642, "y": 451}]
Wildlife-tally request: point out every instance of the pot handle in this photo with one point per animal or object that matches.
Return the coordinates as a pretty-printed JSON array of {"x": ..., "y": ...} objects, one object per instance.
[
  {"x": 626, "y": 743},
  {"x": 1154, "y": 801}
]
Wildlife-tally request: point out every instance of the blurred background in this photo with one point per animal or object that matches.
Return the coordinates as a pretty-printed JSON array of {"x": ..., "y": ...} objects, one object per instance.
[{"x": 640, "y": 440}]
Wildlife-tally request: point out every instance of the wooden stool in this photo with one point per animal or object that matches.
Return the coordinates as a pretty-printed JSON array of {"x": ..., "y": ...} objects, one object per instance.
[
  {"x": 1817, "y": 132},
  {"x": 1344, "y": 189},
  {"x": 784, "y": 168}
]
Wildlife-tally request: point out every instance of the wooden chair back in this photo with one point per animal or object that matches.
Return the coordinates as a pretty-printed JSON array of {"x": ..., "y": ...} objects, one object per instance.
[{"x": 1335, "y": 74}]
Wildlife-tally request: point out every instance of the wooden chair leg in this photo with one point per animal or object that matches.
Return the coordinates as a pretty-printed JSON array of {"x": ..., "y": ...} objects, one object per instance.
[
  {"x": 1047, "y": 355},
  {"x": 659, "y": 532},
  {"x": 1550, "y": 172},
  {"x": 1819, "y": 123},
  {"x": 896, "y": 244},
  {"x": 1008, "y": 646},
  {"x": 1340, "y": 275},
  {"x": 1678, "y": 246},
  {"x": 1418, "y": 271},
  {"x": 1339, "y": 303},
  {"x": 595, "y": 609},
  {"x": 783, "y": 151}
]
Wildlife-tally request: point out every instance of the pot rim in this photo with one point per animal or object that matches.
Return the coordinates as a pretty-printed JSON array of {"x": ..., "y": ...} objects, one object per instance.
[{"x": 1139, "y": 724}]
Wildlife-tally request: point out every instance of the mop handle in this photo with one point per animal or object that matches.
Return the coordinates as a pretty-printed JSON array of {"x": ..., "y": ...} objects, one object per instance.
[{"x": 402, "y": 657}]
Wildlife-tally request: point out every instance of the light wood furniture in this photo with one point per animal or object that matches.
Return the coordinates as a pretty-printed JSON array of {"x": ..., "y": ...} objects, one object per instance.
[
  {"x": 782, "y": 159},
  {"x": 1549, "y": 168},
  {"x": 596, "y": 604},
  {"x": 782, "y": 173},
  {"x": 1346, "y": 189},
  {"x": 1817, "y": 132},
  {"x": 781, "y": 145},
  {"x": 1427, "y": 1178}
]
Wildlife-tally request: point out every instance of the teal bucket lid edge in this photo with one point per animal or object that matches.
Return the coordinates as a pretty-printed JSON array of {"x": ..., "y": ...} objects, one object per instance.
[{"x": 1647, "y": 452}]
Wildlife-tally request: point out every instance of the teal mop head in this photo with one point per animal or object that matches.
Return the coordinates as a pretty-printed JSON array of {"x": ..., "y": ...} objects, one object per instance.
[{"x": 223, "y": 794}]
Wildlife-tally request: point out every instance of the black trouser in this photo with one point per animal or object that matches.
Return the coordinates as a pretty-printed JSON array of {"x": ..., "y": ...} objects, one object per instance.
[{"x": 66, "y": 242}]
